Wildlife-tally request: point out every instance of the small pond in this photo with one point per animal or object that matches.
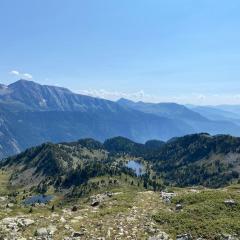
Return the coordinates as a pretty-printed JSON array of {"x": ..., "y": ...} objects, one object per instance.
[
  {"x": 136, "y": 166},
  {"x": 38, "y": 199}
]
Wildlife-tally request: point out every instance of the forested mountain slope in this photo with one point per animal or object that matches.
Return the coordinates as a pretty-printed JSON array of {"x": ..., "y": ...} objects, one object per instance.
[{"x": 198, "y": 159}]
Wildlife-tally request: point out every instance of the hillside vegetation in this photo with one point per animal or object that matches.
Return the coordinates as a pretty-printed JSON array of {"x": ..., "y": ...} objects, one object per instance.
[{"x": 198, "y": 159}]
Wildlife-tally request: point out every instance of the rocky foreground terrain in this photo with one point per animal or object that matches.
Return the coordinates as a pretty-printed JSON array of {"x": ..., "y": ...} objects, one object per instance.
[
  {"x": 110, "y": 220},
  {"x": 125, "y": 212}
]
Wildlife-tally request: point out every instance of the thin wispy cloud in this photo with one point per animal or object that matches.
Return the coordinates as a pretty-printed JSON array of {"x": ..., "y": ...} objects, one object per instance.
[
  {"x": 14, "y": 72},
  {"x": 193, "y": 98},
  {"x": 115, "y": 95},
  {"x": 27, "y": 76}
]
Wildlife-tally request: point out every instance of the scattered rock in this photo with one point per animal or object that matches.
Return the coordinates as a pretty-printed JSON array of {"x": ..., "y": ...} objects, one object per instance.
[
  {"x": 77, "y": 234},
  {"x": 42, "y": 232},
  {"x": 27, "y": 222},
  {"x": 74, "y": 209},
  {"x": 184, "y": 237},
  {"x": 179, "y": 207},
  {"x": 109, "y": 194},
  {"x": 51, "y": 230},
  {"x": 194, "y": 191},
  {"x": 9, "y": 205},
  {"x": 99, "y": 198},
  {"x": 95, "y": 203},
  {"x": 3, "y": 199},
  {"x": 228, "y": 237},
  {"x": 67, "y": 227},
  {"x": 167, "y": 197},
  {"x": 230, "y": 202},
  {"x": 16, "y": 222},
  {"x": 160, "y": 236},
  {"x": 62, "y": 220}
]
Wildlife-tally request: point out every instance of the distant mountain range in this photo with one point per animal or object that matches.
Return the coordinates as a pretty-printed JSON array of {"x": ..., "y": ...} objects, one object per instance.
[
  {"x": 31, "y": 114},
  {"x": 196, "y": 119},
  {"x": 216, "y": 113}
]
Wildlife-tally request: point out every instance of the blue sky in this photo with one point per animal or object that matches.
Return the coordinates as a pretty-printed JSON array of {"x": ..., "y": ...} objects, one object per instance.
[{"x": 185, "y": 51}]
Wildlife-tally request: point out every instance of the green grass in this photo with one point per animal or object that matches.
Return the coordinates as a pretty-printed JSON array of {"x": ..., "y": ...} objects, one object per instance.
[
  {"x": 4, "y": 177},
  {"x": 204, "y": 214}
]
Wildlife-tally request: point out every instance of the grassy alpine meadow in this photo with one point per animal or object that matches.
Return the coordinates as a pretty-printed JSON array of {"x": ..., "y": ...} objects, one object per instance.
[{"x": 207, "y": 213}]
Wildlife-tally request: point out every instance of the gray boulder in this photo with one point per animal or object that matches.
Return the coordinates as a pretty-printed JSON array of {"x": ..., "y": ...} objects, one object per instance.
[
  {"x": 160, "y": 236},
  {"x": 184, "y": 237},
  {"x": 42, "y": 232},
  {"x": 230, "y": 202}
]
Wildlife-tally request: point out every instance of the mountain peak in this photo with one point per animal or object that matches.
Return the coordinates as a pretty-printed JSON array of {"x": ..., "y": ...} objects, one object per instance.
[
  {"x": 124, "y": 100},
  {"x": 29, "y": 84},
  {"x": 23, "y": 82},
  {"x": 36, "y": 97}
]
